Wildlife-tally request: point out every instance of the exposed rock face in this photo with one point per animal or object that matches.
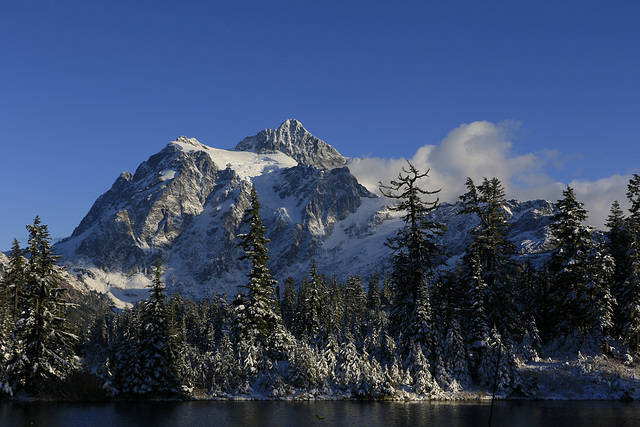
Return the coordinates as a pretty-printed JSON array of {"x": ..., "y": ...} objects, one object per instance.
[
  {"x": 295, "y": 141},
  {"x": 186, "y": 205},
  {"x": 148, "y": 209}
]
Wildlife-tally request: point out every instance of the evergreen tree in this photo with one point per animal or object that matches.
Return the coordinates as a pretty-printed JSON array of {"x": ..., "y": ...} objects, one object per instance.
[
  {"x": 309, "y": 307},
  {"x": 387, "y": 293},
  {"x": 530, "y": 347},
  {"x": 288, "y": 304},
  {"x": 631, "y": 290},
  {"x": 498, "y": 366},
  {"x": 158, "y": 369},
  {"x": 355, "y": 304},
  {"x": 493, "y": 250},
  {"x": 417, "y": 365},
  {"x": 456, "y": 354},
  {"x": 44, "y": 347},
  {"x": 569, "y": 264},
  {"x": 475, "y": 319},
  {"x": 373, "y": 292},
  {"x": 261, "y": 316},
  {"x": 599, "y": 302},
  {"x": 14, "y": 284},
  {"x": 127, "y": 372},
  {"x": 416, "y": 254},
  {"x": 421, "y": 331},
  {"x": 618, "y": 243}
]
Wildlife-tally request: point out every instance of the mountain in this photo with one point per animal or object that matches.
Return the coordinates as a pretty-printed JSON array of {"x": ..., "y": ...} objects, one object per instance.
[
  {"x": 292, "y": 139},
  {"x": 185, "y": 206}
]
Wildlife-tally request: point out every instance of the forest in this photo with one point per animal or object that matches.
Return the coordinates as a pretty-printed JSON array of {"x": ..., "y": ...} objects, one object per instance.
[{"x": 416, "y": 331}]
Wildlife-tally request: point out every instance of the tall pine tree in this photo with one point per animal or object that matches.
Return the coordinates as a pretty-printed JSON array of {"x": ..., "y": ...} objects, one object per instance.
[
  {"x": 415, "y": 252},
  {"x": 259, "y": 312},
  {"x": 493, "y": 250},
  {"x": 158, "y": 368},
  {"x": 43, "y": 346},
  {"x": 631, "y": 290},
  {"x": 569, "y": 264}
]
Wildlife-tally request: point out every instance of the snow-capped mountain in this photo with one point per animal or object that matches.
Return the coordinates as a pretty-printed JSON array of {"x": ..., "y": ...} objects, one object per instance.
[{"x": 185, "y": 205}]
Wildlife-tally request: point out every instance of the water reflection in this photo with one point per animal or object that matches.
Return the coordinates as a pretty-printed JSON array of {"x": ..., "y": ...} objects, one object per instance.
[{"x": 351, "y": 414}]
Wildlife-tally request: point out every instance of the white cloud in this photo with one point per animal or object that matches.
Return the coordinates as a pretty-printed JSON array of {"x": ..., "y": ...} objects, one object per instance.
[
  {"x": 598, "y": 196},
  {"x": 483, "y": 149}
]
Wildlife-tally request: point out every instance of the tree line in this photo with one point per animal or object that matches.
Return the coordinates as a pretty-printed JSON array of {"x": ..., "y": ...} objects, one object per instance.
[{"x": 417, "y": 328}]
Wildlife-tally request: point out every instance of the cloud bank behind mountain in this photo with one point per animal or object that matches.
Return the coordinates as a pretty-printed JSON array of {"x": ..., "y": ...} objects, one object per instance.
[{"x": 484, "y": 149}]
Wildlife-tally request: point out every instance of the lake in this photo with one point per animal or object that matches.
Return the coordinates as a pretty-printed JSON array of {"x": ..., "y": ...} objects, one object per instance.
[{"x": 332, "y": 413}]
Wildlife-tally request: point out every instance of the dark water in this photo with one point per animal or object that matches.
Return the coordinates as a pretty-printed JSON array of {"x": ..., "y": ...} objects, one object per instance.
[{"x": 352, "y": 414}]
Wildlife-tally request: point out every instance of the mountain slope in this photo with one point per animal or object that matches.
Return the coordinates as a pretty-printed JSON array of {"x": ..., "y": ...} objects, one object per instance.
[{"x": 185, "y": 205}]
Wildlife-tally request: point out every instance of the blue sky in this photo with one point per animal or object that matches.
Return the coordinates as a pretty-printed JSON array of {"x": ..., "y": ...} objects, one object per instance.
[{"x": 91, "y": 89}]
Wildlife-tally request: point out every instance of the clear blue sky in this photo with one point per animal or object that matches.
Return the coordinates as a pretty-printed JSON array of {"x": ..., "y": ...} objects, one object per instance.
[{"x": 91, "y": 89}]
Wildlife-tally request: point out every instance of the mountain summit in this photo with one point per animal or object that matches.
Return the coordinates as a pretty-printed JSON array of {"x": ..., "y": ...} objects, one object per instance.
[
  {"x": 292, "y": 139},
  {"x": 185, "y": 206}
]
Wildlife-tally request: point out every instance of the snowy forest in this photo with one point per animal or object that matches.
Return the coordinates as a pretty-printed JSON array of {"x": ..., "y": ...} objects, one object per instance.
[{"x": 418, "y": 331}]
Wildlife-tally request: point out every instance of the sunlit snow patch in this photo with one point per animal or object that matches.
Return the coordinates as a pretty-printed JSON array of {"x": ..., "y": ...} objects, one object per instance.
[{"x": 167, "y": 174}]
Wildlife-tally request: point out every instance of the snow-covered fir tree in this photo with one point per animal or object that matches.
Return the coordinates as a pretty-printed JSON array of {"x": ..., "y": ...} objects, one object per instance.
[
  {"x": 419, "y": 369},
  {"x": 126, "y": 365},
  {"x": 421, "y": 330},
  {"x": 15, "y": 284},
  {"x": 498, "y": 366},
  {"x": 455, "y": 354},
  {"x": 309, "y": 306},
  {"x": 530, "y": 347},
  {"x": 43, "y": 345},
  {"x": 631, "y": 294},
  {"x": 618, "y": 243},
  {"x": 158, "y": 367},
  {"x": 259, "y": 315},
  {"x": 474, "y": 317},
  {"x": 493, "y": 250},
  {"x": 600, "y": 302},
  {"x": 415, "y": 252},
  {"x": 288, "y": 303},
  {"x": 355, "y": 303},
  {"x": 569, "y": 264}
]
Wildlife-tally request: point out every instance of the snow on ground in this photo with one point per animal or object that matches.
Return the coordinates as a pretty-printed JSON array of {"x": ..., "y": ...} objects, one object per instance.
[
  {"x": 560, "y": 378},
  {"x": 584, "y": 377},
  {"x": 124, "y": 291}
]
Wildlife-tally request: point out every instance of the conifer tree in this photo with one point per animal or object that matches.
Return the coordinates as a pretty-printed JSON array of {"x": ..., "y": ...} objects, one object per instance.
[
  {"x": 493, "y": 250},
  {"x": 530, "y": 347},
  {"x": 421, "y": 331},
  {"x": 569, "y": 264},
  {"x": 456, "y": 354},
  {"x": 158, "y": 369},
  {"x": 618, "y": 243},
  {"x": 417, "y": 365},
  {"x": 599, "y": 302},
  {"x": 355, "y": 302},
  {"x": 43, "y": 344},
  {"x": 126, "y": 364},
  {"x": 373, "y": 292},
  {"x": 415, "y": 252},
  {"x": 631, "y": 294},
  {"x": 14, "y": 283},
  {"x": 475, "y": 319},
  {"x": 288, "y": 304},
  {"x": 309, "y": 307},
  {"x": 387, "y": 293},
  {"x": 261, "y": 316}
]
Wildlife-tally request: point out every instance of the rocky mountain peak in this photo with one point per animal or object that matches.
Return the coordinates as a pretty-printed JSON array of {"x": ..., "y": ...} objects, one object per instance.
[
  {"x": 292, "y": 139},
  {"x": 191, "y": 142}
]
